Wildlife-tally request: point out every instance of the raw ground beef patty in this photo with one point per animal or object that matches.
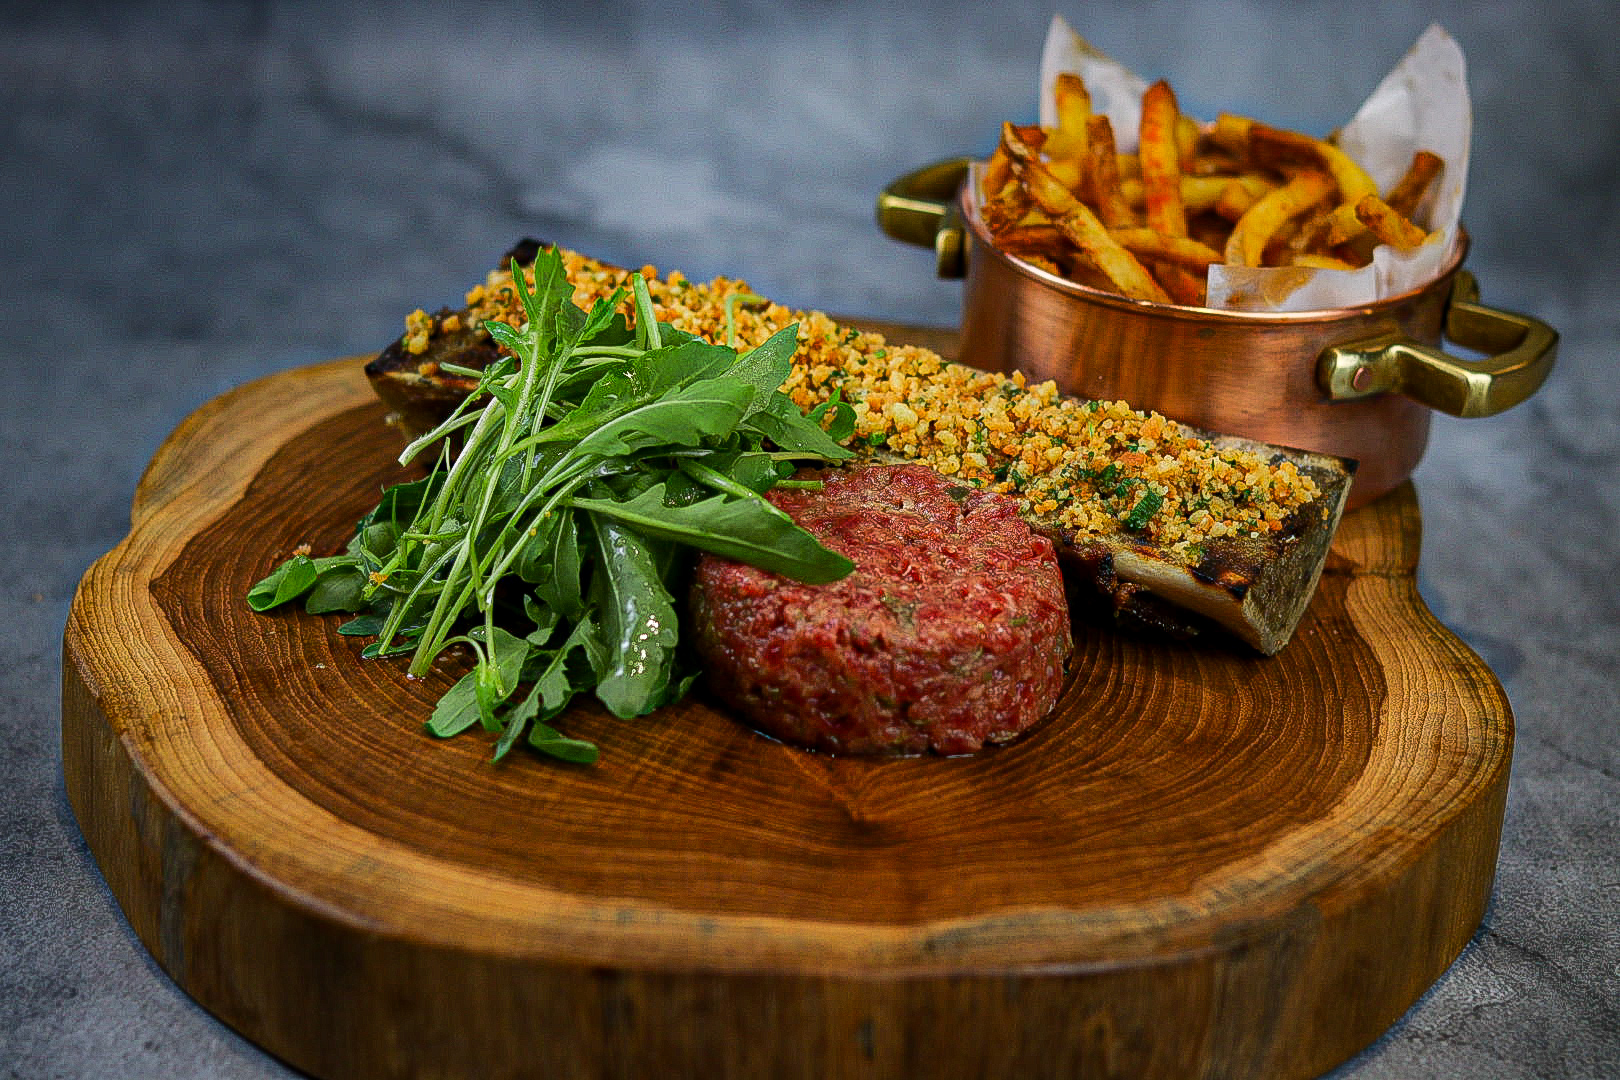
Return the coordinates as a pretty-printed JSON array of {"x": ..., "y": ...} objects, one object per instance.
[{"x": 952, "y": 631}]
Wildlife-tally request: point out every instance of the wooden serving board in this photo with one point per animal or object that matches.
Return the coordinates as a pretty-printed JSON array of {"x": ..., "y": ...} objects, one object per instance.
[{"x": 1205, "y": 863}]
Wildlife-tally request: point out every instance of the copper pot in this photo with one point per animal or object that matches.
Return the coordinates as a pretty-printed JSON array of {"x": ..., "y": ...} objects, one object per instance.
[{"x": 1356, "y": 382}]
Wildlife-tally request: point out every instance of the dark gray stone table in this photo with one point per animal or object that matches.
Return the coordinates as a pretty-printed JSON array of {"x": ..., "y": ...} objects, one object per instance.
[{"x": 195, "y": 195}]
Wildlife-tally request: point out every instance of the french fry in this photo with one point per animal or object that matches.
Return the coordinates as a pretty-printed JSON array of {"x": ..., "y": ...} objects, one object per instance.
[
  {"x": 997, "y": 173},
  {"x": 1079, "y": 224},
  {"x": 1256, "y": 228},
  {"x": 1321, "y": 262},
  {"x": 1186, "y": 141},
  {"x": 1310, "y": 237},
  {"x": 1209, "y": 160},
  {"x": 1070, "y": 172},
  {"x": 1238, "y": 193},
  {"x": 1044, "y": 262},
  {"x": 1231, "y": 133},
  {"x": 1036, "y": 238},
  {"x": 1271, "y": 144},
  {"x": 1209, "y": 230},
  {"x": 1341, "y": 226},
  {"x": 1409, "y": 190},
  {"x": 1183, "y": 286},
  {"x": 1390, "y": 227},
  {"x": 1102, "y": 173},
  {"x": 1069, "y": 139},
  {"x": 1161, "y": 161},
  {"x": 1200, "y": 193},
  {"x": 1283, "y": 243},
  {"x": 1004, "y": 207},
  {"x": 1178, "y": 250}
]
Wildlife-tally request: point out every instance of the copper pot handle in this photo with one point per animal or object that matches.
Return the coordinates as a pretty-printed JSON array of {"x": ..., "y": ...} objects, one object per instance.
[
  {"x": 920, "y": 208},
  {"x": 1520, "y": 352}
]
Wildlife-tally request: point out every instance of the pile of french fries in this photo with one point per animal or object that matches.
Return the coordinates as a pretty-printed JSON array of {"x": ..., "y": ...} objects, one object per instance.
[{"x": 1149, "y": 225}]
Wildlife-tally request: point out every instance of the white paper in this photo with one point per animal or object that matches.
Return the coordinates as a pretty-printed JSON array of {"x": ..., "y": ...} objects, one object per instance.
[{"x": 1422, "y": 104}]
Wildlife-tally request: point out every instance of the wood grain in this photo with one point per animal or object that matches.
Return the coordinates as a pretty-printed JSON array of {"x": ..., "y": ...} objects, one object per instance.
[{"x": 1205, "y": 863}]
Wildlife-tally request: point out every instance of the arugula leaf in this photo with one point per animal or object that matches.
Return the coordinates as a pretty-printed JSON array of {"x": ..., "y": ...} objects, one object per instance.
[
  {"x": 369, "y": 625},
  {"x": 337, "y": 588},
  {"x": 767, "y": 366},
  {"x": 554, "y": 564},
  {"x": 399, "y": 646},
  {"x": 842, "y": 425},
  {"x": 682, "y": 364},
  {"x": 547, "y": 740},
  {"x": 400, "y": 502},
  {"x": 683, "y": 417},
  {"x": 781, "y": 422},
  {"x": 458, "y": 709},
  {"x": 638, "y": 622},
  {"x": 500, "y": 663},
  {"x": 286, "y": 582},
  {"x": 748, "y": 530}
]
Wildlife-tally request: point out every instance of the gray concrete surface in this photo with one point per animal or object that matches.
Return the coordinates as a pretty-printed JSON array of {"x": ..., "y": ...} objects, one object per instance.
[{"x": 195, "y": 195}]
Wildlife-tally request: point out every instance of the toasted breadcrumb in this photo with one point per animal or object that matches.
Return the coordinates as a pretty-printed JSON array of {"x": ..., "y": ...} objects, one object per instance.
[{"x": 1095, "y": 468}]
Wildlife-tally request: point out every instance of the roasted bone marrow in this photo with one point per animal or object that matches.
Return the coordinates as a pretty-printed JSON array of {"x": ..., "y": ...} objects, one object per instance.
[{"x": 1161, "y": 525}]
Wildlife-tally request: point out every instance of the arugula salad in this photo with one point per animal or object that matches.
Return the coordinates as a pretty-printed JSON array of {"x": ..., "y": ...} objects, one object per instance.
[{"x": 593, "y": 457}]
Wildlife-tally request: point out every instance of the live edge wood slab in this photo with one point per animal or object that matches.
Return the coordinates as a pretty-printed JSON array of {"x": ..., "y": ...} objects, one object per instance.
[{"x": 1205, "y": 863}]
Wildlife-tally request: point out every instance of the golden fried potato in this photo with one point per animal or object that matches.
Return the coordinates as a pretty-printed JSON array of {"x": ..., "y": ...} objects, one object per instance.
[
  {"x": 1256, "y": 228},
  {"x": 1409, "y": 190},
  {"x": 1079, "y": 224},
  {"x": 1161, "y": 161},
  {"x": 1269, "y": 144},
  {"x": 1069, "y": 139},
  {"x": 1179, "y": 250},
  {"x": 1102, "y": 172},
  {"x": 1390, "y": 227}
]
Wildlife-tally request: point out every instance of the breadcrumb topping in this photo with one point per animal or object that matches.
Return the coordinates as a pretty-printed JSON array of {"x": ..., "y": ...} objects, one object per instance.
[{"x": 1094, "y": 468}]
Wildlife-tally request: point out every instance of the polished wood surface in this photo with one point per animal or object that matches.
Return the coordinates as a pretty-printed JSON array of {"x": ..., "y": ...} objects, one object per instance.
[{"x": 1204, "y": 863}]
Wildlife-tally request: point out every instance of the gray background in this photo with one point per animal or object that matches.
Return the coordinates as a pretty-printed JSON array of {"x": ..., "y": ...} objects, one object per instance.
[{"x": 197, "y": 195}]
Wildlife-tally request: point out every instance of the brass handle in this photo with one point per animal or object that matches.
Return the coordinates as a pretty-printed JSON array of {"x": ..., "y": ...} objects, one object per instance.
[
  {"x": 920, "y": 208},
  {"x": 1520, "y": 352}
]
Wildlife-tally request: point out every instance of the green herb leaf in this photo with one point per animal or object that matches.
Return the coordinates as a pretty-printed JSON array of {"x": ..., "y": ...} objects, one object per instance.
[
  {"x": 458, "y": 709},
  {"x": 497, "y": 670},
  {"x": 1145, "y": 508},
  {"x": 841, "y": 427},
  {"x": 767, "y": 366},
  {"x": 286, "y": 582},
  {"x": 782, "y": 423},
  {"x": 684, "y": 417},
  {"x": 748, "y": 530},
  {"x": 363, "y": 626},
  {"x": 547, "y": 740},
  {"x": 398, "y": 647},
  {"x": 339, "y": 587},
  {"x": 638, "y": 622}
]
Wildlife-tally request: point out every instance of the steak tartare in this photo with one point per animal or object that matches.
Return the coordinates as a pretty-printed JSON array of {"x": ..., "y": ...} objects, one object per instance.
[{"x": 952, "y": 631}]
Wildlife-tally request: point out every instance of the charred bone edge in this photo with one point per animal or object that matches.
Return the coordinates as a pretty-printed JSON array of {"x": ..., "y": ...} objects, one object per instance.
[{"x": 1257, "y": 590}]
